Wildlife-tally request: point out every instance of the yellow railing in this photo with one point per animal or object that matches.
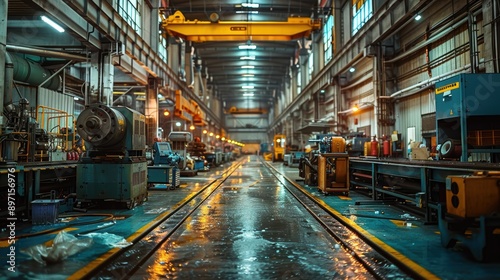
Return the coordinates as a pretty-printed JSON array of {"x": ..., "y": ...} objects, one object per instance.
[{"x": 49, "y": 119}]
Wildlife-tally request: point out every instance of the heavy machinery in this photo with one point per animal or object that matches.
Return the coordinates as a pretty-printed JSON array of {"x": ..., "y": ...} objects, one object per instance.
[
  {"x": 279, "y": 147},
  {"x": 22, "y": 139},
  {"x": 180, "y": 141},
  {"x": 165, "y": 168},
  {"x": 26, "y": 144},
  {"x": 327, "y": 167},
  {"x": 114, "y": 167},
  {"x": 471, "y": 216},
  {"x": 467, "y": 119},
  {"x": 197, "y": 150}
]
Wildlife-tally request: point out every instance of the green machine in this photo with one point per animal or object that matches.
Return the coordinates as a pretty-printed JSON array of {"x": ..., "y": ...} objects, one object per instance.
[{"x": 114, "y": 167}]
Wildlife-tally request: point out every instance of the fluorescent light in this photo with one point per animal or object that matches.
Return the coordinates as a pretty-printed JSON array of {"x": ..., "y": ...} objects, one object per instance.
[
  {"x": 248, "y": 94},
  {"x": 248, "y": 87},
  {"x": 418, "y": 17},
  {"x": 248, "y": 5},
  {"x": 248, "y": 67},
  {"x": 247, "y": 47},
  {"x": 252, "y": 57},
  {"x": 248, "y": 75},
  {"x": 53, "y": 24},
  {"x": 247, "y": 12}
]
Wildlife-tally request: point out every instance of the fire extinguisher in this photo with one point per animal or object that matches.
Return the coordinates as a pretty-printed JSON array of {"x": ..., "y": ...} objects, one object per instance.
[
  {"x": 374, "y": 147},
  {"x": 386, "y": 148}
]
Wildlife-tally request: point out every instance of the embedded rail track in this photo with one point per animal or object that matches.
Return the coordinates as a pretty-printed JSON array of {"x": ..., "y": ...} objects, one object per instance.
[{"x": 350, "y": 246}]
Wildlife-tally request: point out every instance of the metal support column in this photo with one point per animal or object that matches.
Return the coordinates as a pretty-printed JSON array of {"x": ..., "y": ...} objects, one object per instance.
[
  {"x": 3, "y": 43},
  {"x": 151, "y": 109}
]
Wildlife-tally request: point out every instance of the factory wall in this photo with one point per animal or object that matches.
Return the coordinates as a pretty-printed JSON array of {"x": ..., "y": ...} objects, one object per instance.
[
  {"x": 409, "y": 114},
  {"x": 427, "y": 51}
]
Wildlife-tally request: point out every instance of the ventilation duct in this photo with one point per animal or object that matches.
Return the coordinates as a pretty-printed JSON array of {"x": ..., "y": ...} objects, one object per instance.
[{"x": 33, "y": 73}]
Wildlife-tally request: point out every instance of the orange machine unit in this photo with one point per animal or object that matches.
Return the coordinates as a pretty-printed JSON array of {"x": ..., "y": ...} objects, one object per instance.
[
  {"x": 471, "y": 196},
  {"x": 333, "y": 173}
]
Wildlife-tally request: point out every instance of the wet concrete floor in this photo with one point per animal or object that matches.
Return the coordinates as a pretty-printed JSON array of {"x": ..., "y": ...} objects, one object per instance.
[{"x": 251, "y": 229}]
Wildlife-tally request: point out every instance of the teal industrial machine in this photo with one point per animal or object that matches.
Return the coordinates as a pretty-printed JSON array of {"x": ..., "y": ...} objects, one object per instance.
[
  {"x": 165, "y": 169},
  {"x": 114, "y": 168},
  {"x": 467, "y": 116}
]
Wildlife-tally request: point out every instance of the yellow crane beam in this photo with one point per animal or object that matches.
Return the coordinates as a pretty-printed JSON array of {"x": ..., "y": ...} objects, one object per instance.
[{"x": 202, "y": 31}]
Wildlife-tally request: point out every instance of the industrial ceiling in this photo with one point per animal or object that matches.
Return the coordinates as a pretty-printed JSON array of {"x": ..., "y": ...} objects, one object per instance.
[
  {"x": 249, "y": 74},
  {"x": 263, "y": 70}
]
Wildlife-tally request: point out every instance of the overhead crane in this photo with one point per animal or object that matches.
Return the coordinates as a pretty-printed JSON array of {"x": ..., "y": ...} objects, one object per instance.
[{"x": 202, "y": 31}]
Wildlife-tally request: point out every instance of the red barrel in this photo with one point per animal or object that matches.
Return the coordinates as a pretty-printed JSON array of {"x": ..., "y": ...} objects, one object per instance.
[{"x": 386, "y": 148}]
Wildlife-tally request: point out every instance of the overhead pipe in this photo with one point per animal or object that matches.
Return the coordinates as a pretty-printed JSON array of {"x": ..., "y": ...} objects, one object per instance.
[
  {"x": 472, "y": 38},
  {"x": 425, "y": 83},
  {"x": 46, "y": 53},
  {"x": 358, "y": 82},
  {"x": 190, "y": 76},
  {"x": 425, "y": 43},
  {"x": 494, "y": 31},
  {"x": 201, "y": 84},
  {"x": 445, "y": 30}
]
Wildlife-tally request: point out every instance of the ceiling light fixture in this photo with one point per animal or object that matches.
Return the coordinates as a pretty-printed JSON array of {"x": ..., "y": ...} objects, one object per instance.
[
  {"x": 249, "y": 94},
  {"x": 352, "y": 69},
  {"x": 247, "y": 87},
  {"x": 251, "y": 57},
  {"x": 418, "y": 17},
  {"x": 248, "y": 5},
  {"x": 248, "y": 67},
  {"x": 247, "y": 12},
  {"x": 52, "y": 23},
  {"x": 247, "y": 47},
  {"x": 248, "y": 75}
]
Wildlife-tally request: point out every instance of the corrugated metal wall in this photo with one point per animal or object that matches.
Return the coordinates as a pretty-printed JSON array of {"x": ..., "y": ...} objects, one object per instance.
[
  {"x": 50, "y": 99},
  {"x": 409, "y": 113}
]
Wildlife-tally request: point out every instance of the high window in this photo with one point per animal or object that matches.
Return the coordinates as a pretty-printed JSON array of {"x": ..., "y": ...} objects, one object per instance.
[
  {"x": 362, "y": 11},
  {"x": 130, "y": 10},
  {"x": 328, "y": 39}
]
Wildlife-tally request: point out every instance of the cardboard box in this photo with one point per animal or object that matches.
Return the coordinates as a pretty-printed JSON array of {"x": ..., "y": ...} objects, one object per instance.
[{"x": 419, "y": 153}]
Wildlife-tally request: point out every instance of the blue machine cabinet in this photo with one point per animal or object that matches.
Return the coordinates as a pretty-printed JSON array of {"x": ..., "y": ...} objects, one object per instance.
[
  {"x": 119, "y": 182},
  {"x": 467, "y": 114},
  {"x": 164, "y": 174}
]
